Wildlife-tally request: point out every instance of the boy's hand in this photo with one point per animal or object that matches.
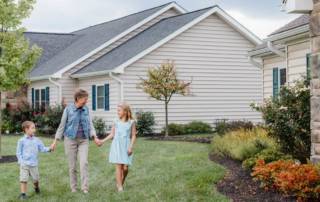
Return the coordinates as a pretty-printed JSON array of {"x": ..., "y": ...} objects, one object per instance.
[{"x": 130, "y": 151}]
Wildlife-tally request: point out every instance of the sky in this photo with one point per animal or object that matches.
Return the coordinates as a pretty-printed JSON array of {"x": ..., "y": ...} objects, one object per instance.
[{"x": 260, "y": 16}]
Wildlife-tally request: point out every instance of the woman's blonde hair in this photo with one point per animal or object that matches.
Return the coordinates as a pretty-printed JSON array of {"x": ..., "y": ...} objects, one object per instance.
[
  {"x": 80, "y": 93},
  {"x": 127, "y": 109}
]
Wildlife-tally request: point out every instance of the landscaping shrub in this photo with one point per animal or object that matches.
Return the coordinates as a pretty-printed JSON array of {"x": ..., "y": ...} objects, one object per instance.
[
  {"x": 100, "y": 126},
  {"x": 47, "y": 122},
  {"x": 197, "y": 127},
  {"x": 175, "y": 129},
  {"x": 145, "y": 123},
  {"x": 287, "y": 118},
  {"x": 194, "y": 127},
  {"x": 289, "y": 177},
  {"x": 223, "y": 126},
  {"x": 268, "y": 155},
  {"x": 242, "y": 144}
]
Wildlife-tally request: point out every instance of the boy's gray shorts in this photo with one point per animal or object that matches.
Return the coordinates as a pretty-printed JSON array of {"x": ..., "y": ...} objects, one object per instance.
[{"x": 26, "y": 171}]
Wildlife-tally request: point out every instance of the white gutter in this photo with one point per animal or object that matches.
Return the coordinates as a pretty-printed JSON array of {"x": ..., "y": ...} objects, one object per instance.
[
  {"x": 121, "y": 85},
  {"x": 59, "y": 89},
  {"x": 273, "y": 49}
]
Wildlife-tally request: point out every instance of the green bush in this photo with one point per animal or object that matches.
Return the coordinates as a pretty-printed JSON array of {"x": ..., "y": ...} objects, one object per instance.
[
  {"x": 268, "y": 155},
  {"x": 287, "y": 118},
  {"x": 242, "y": 144},
  {"x": 175, "y": 129},
  {"x": 223, "y": 126},
  {"x": 145, "y": 123},
  {"x": 46, "y": 122},
  {"x": 197, "y": 127},
  {"x": 100, "y": 126},
  {"x": 194, "y": 127}
]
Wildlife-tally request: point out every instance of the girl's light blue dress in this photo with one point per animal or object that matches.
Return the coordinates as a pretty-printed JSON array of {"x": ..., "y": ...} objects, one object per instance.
[{"x": 121, "y": 142}]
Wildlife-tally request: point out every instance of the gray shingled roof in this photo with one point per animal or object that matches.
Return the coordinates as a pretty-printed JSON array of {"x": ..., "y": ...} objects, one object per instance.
[
  {"x": 87, "y": 40},
  {"x": 141, "y": 42},
  {"x": 300, "y": 21},
  {"x": 51, "y": 44}
]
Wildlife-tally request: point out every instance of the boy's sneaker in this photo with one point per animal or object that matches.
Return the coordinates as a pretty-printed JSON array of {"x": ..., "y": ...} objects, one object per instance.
[
  {"x": 37, "y": 190},
  {"x": 23, "y": 196}
]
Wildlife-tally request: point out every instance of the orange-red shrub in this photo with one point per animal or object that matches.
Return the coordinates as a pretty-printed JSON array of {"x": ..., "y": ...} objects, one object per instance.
[{"x": 289, "y": 177}]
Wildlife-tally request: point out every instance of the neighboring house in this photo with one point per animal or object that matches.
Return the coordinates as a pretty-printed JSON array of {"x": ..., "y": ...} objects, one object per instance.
[
  {"x": 208, "y": 46},
  {"x": 285, "y": 55}
]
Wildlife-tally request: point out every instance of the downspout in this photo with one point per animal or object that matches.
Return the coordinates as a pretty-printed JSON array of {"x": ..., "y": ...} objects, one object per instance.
[
  {"x": 121, "y": 85},
  {"x": 59, "y": 89},
  {"x": 255, "y": 63},
  {"x": 275, "y": 50}
]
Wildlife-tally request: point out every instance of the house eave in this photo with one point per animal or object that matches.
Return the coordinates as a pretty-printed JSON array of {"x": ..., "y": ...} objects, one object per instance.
[{"x": 90, "y": 74}]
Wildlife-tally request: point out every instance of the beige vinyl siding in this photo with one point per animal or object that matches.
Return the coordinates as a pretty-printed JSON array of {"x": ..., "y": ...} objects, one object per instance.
[
  {"x": 41, "y": 85},
  {"x": 269, "y": 64},
  {"x": 169, "y": 13},
  {"x": 297, "y": 63},
  {"x": 214, "y": 57},
  {"x": 69, "y": 86},
  {"x": 114, "y": 96}
]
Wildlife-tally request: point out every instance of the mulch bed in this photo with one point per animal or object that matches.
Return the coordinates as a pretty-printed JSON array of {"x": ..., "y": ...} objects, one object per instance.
[
  {"x": 239, "y": 186},
  {"x": 206, "y": 140},
  {"x": 8, "y": 159}
]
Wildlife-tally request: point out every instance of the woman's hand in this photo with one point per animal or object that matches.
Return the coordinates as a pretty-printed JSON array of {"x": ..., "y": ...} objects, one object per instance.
[
  {"x": 130, "y": 151},
  {"x": 53, "y": 145},
  {"x": 97, "y": 142}
]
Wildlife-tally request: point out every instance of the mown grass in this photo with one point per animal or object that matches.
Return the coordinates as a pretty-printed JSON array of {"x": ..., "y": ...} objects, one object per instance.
[{"x": 162, "y": 171}]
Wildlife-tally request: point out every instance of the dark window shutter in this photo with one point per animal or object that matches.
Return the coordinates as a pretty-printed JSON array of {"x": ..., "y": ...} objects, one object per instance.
[
  {"x": 106, "y": 97},
  {"x": 275, "y": 85},
  {"x": 308, "y": 66},
  {"x": 47, "y": 96},
  {"x": 94, "y": 97},
  {"x": 32, "y": 97},
  {"x": 283, "y": 76}
]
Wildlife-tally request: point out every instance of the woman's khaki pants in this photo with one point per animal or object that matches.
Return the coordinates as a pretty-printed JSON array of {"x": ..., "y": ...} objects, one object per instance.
[{"x": 73, "y": 148}]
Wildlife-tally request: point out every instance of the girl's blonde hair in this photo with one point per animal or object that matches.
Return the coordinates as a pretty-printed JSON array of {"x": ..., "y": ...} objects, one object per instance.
[{"x": 127, "y": 109}]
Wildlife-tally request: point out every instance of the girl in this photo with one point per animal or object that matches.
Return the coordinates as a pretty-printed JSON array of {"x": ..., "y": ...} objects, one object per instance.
[{"x": 123, "y": 133}]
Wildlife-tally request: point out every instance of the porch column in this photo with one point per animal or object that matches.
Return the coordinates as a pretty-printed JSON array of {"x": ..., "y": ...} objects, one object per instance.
[{"x": 315, "y": 82}]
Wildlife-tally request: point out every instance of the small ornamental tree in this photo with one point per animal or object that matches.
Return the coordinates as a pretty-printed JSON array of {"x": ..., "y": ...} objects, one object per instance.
[
  {"x": 16, "y": 56},
  {"x": 162, "y": 83}
]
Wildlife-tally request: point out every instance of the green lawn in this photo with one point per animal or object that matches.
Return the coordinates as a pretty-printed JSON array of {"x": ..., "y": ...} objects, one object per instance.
[{"x": 161, "y": 171}]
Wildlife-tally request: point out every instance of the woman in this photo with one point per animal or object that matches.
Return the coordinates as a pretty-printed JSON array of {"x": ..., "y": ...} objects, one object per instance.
[{"x": 76, "y": 126}]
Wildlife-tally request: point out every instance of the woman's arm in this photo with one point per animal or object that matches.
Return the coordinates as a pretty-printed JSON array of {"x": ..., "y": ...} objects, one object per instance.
[
  {"x": 133, "y": 138},
  {"x": 110, "y": 136},
  {"x": 60, "y": 129}
]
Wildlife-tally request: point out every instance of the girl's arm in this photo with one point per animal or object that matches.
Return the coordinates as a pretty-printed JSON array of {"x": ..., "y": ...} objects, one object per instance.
[
  {"x": 110, "y": 136},
  {"x": 133, "y": 137}
]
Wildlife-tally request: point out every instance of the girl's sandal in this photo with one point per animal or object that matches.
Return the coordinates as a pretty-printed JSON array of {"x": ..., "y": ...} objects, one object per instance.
[{"x": 120, "y": 188}]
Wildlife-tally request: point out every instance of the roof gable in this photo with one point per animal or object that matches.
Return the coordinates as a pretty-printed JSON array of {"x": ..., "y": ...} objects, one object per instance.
[
  {"x": 154, "y": 37},
  {"x": 93, "y": 39}
]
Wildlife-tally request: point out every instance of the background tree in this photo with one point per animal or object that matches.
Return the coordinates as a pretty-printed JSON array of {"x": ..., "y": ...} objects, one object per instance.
[
  {"x": 162, "y": 83},
  {"x": 16, "y": 56}
]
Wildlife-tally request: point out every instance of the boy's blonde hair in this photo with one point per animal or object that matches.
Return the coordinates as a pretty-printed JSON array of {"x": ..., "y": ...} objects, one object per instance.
[
  {"x": 26, "y": 125},
  {"x": 127, "y": 109}
]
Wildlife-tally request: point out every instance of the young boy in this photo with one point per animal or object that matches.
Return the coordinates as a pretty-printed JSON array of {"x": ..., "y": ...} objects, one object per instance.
[{"x": 27, "y": 154}]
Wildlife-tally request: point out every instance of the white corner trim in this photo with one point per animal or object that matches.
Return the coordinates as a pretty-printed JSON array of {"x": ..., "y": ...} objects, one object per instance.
[
  {"x": 121, "y": 85},
  {"x": 59, "y": 89},
  {"x": 174, "y": 5},
  {"x": 219, "y": 11}
]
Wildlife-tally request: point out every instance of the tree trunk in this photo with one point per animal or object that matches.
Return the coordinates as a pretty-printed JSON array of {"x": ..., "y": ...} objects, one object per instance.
[
  {"x": 167, "y": 122},
  {"x": 0, "y": 126},
  {"x": 315, "y": 82}
]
